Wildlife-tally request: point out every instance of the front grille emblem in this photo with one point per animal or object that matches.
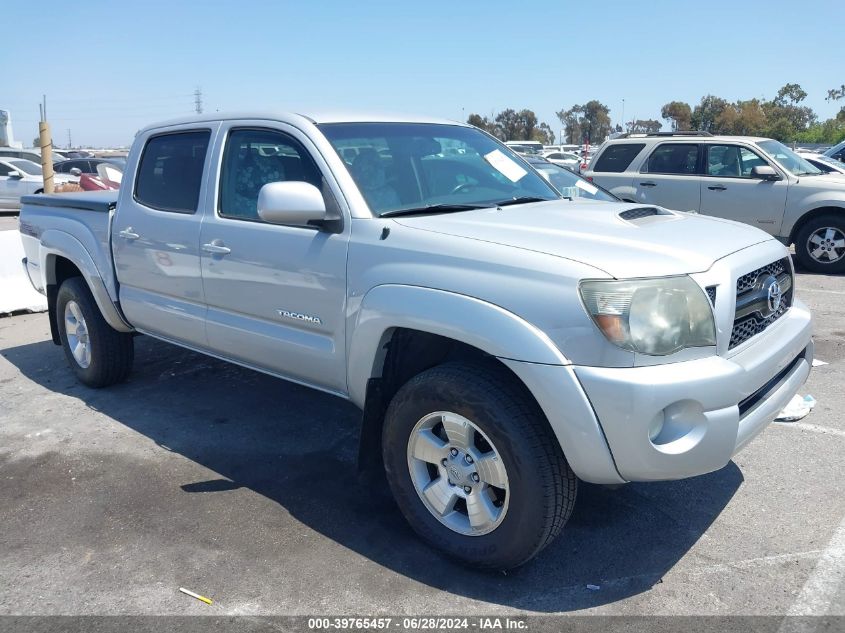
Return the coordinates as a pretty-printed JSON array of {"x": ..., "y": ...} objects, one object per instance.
[{"x": 774, "y": 295}]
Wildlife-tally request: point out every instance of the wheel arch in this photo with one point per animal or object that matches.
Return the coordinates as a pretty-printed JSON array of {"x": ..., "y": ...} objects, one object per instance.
[
  {"x": 468, "y": 321},
  {"x": 404, "y": 330},
  {"x": 64, "y": 256},
  {"x": 811, "y": 215}
]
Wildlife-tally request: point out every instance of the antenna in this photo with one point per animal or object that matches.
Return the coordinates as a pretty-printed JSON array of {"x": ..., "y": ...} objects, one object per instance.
[{"x": 198, "y": 100}]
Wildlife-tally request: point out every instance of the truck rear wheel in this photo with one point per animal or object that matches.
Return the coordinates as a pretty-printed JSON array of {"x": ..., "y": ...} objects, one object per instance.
[
  {"x": 474, "y": 467},
  {"x": 98, "y": 354},
  {"x": 820, "y": 244}
]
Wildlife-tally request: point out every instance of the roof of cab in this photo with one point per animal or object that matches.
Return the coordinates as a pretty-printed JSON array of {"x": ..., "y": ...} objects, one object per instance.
[{"x": 316, "y": 117}]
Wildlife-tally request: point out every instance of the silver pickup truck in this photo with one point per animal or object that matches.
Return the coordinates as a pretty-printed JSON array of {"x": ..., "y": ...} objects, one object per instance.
[{"x": 503, "y": 341}]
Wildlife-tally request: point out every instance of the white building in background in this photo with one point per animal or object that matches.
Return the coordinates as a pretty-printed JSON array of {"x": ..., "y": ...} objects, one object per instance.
[{"x": 7, "y": 138}]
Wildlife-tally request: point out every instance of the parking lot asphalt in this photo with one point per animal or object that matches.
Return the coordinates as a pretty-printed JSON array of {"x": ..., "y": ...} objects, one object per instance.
[
  {"x": 8, "y": 221},
  {"x": 243, "y": 488}
]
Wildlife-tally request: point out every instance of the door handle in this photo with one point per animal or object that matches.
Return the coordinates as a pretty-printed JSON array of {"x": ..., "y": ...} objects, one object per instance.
[
  {"x": 717, "y": 188},
  {"x": 129, "y": 234},
  {"x": 216, "y": 248},
  {"x": 648, "y": 184}
]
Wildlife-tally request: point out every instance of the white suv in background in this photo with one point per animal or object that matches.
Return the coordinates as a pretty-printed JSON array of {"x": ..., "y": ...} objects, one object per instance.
[{"x": 757, "y": 181}]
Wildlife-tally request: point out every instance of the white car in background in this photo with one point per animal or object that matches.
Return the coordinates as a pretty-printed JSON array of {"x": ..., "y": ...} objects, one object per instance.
[
  {"x": 827, "y": 164},
  {"x": 564, "y": 159},
  {"x": 20, "y": 177}
]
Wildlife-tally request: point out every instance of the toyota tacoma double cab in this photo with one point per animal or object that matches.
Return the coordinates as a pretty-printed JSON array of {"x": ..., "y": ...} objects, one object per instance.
[{"x": 503, "y": 341}]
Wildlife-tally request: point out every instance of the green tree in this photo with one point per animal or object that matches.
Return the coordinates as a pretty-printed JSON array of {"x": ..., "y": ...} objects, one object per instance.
[
  {"x": 786, "y": 118},
  {"x": 588, "y": 121},
  {"x": 835, "y": 95},
  {"x": 646, "y": 126},
  {"x": 705, "y": 113},
  {"x": 36, "y": 142},
  {"x": 485, "y": 124},
  {"x": 743, "y": 118},
  {"x": 679, "y": 113},
  {"x": 544, "y": 134},
  {"x": 509, "y": 123}
]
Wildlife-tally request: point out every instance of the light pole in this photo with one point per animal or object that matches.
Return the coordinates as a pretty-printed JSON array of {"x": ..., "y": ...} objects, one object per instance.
[{"x": 623, "y": 115}]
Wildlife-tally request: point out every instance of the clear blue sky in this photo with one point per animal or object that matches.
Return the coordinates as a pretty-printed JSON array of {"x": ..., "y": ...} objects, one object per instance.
[{"x": 113, "y": 67}]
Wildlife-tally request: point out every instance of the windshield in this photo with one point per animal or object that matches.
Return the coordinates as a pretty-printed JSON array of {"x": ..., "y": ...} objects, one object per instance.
[
  {"x": 399, "y": 166},
  {"x": 788, "y": 159},
  {"x": 27, "y": 167},
  {"x": 571, "y": 185}
]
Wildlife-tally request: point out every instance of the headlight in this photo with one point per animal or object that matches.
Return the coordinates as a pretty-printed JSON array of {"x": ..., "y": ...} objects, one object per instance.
[{"x": 651, "y": 316}]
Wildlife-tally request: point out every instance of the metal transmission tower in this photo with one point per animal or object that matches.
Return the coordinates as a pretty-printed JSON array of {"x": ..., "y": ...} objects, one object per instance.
[{"x": 198, "y": 100}]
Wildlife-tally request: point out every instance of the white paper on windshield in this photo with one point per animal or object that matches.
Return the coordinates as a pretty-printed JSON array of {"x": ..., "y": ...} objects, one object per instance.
[
  {"x": 590, "y": 189},
  {"x": 505, "y": 165}
]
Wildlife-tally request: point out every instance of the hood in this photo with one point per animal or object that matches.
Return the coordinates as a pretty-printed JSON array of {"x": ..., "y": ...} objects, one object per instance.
[{"x": 624, "y": 240}]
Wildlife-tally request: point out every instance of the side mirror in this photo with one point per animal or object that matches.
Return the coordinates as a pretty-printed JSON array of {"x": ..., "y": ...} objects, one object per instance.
[
  {"x": 765, "y": 172},
  {"x": 75, "y": 171},
  {"x": 15, "y": 174},
  {"x": 294, "y": 203}
]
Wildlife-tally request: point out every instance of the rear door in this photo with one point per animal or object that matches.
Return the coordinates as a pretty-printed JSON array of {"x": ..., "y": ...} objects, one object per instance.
[
  {"x": 610, "y": 168},
  {"x": 276, "y": 295},
  {"x": 728, "y": 190},
  {"x": 155, "y": 235},
  {"x": 671, "y": 177}
]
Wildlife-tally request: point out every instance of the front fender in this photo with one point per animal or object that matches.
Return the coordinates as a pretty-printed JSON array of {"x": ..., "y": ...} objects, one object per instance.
[
  {"x": 60, "y": 244},
  {"x": 833, "y": 200},
  {"x": 471, "y": 321}
]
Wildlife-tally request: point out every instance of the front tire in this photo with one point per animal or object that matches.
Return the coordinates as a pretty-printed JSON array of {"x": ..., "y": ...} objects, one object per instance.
[
  {"x": 820, "y": 244},
  {"x": 98, "y": 354},
  {"x": 474, "y": 467}
]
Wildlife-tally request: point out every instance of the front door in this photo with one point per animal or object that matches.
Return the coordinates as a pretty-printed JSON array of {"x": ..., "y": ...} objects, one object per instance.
[
  {"x": 155, "y": 237},
  {"x": 275, "y": 294},
  {"x": 729, "y": 191}
]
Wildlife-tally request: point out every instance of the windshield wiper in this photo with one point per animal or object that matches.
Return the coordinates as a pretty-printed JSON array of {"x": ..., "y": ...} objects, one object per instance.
[
  {"x": 434, "y": 208},
  {"x": 520, "y": 200}
]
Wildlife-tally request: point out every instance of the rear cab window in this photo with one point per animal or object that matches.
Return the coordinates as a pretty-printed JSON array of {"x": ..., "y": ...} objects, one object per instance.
[
  {"x": 171, "y": 169},
  {"x": 617, "y": 157}
]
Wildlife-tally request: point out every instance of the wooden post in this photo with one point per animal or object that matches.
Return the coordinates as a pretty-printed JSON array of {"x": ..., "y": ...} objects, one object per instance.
[
  {"x": 46, "y": 143},
  {"x": 46, "y": 155}
]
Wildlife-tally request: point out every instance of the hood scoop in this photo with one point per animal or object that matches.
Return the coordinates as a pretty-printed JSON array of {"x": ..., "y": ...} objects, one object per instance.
[{"x": 642, "y": 212}]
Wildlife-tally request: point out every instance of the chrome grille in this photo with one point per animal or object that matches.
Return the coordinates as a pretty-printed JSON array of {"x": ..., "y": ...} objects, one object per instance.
[{"x": 748, "y": 320}]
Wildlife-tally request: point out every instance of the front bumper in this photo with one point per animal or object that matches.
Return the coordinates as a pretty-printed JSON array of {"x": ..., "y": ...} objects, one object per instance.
[
  {"x": 675, "y": 420},
  {"x": 685, "y": 419}
]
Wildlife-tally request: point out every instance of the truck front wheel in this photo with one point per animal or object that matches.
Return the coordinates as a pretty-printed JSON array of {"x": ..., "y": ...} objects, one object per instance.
[
  {"x": 474, "y": 467},
  {"x": 98, "y": 354}
]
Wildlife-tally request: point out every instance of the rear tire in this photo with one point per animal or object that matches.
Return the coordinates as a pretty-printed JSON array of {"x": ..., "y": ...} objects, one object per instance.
[
  {"x": 459, "y": 410},
  {"x": 820, "y": 244},
  {"x": 98, "y": 354}
]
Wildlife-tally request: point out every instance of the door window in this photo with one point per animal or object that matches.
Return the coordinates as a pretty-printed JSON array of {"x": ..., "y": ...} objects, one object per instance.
[
  {"x": 674, "y": 158},
  {"x": 732, "y": 161},
  {"x": 4, "y": 170},
  {"x": 616, "y": 158},
  {"x": 170, "y": 171},
  {"x": 254, "y": 158}
]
